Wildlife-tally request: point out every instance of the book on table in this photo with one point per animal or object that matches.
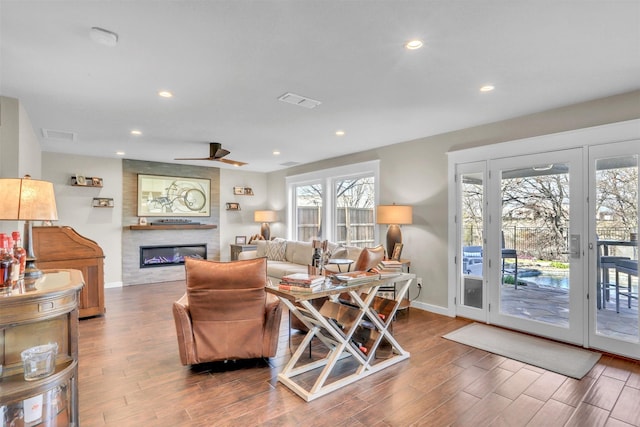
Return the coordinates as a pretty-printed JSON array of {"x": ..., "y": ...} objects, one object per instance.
[
  {"x": 302, "y": 279},
  {"x": 354, "y": 277},
  {"x": 299, "y": 288}
]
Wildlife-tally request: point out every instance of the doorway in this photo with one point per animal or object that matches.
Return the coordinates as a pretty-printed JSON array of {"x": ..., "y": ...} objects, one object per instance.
[{"x": 546, "y": 242}]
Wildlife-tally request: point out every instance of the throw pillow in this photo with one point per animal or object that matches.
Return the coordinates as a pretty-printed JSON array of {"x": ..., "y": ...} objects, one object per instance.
[{"x": 275, "y": 250}]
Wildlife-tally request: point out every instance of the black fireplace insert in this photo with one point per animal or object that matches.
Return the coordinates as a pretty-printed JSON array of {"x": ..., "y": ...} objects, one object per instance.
[{"x": 163, "y": 256}]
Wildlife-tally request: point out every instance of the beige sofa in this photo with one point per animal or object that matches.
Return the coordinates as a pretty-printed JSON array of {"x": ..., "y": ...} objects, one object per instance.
[{"x": 290, "y": 256}]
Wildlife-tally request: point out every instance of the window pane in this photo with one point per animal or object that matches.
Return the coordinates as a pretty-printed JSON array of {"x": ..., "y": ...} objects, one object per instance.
[
  {"x": 309, "y": 217},
  {"x": 472, "y": 240},
  {"x": 355, "y": 199}
]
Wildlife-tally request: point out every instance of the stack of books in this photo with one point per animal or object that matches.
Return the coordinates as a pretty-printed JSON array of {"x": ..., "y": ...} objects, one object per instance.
[
  {"x": 354, "y": 277},
  {"x": 301, "y": 282},
  {"x": 387, "y": 268}
]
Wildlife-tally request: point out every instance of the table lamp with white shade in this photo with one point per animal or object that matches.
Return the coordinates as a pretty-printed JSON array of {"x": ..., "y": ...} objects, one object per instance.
[
  {"x": 265, "y": 217},
  {"x": 394, "y": 215},
  {"x": 27, "y": 200}
]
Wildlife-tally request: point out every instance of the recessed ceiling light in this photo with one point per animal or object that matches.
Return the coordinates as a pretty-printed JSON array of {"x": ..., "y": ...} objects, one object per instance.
[
  {"x": 340, "y": 133},
  {"x": 165, "y": 94},
  {"x": 136, "y": 132},
  {"x": 487, "y": 88},
  {"x": 120, "y": 153},
  {"x": 276, "y": 153},
  {"x": 413, "y": 44}
]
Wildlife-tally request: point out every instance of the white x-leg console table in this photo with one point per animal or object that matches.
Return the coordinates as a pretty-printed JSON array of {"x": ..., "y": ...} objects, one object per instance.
[{"x": 339, "y": 327}]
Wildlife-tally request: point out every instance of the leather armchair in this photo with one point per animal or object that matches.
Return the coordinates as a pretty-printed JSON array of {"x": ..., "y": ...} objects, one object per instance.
[{"x": 226, "y": 313}]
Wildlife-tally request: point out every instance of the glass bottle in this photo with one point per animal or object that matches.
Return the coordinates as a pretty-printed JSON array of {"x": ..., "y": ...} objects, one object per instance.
[
  {"x": 19, "y": 252},
  {"x": 6, "y": 262},
  {"x": 15, "y": 264}
]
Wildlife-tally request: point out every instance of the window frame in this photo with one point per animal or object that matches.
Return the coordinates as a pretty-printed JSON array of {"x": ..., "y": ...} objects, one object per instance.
[{"x": 328, "y": 178}]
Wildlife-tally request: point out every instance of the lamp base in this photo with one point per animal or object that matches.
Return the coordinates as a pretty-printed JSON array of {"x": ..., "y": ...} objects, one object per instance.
[
  {"x": 31, "y": 272},
  {"x": 394, "y": 235},
  {"x": 265, "y": 231}
]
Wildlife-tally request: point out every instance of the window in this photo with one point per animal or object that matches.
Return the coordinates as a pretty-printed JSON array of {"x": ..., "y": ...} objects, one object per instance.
[{"x": 344, "y": 214}]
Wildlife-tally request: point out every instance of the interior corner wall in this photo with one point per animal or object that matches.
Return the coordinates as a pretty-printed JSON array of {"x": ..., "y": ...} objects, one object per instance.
[
  {"x": 240, "y": 223},
  {"x": 29, "y": 152},
  {"x": 416, "y": 173},
  {"x": 102, "y": 225}
]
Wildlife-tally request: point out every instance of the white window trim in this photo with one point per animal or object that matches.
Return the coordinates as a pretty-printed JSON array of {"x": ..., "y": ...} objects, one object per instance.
[{"x": 328, "y": 177}]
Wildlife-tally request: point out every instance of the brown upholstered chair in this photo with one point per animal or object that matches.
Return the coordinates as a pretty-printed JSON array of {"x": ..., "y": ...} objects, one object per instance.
[
  {"x": 226, "y": 313},
  {"x": 369, "y": 258}
]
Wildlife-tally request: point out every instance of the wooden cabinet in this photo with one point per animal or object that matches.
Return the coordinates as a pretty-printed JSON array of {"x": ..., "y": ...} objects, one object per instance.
[
  {"x": 44, "y": 312},
  {"x": 63, "y": 247}
]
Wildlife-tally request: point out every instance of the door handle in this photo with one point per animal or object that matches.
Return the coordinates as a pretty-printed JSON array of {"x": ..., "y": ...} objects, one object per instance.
[{"x": 574, "y": 246}]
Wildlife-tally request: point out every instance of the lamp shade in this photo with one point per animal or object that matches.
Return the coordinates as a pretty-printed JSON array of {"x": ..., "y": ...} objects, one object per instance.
[
  {"x": 394, "y": 214},
  {"x": 264, "y": 216},
  {"x": 27, "y": 199}
]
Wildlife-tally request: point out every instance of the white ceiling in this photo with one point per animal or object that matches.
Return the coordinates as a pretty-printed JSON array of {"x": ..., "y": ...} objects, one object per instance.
[{"x": 227, "y": 62}]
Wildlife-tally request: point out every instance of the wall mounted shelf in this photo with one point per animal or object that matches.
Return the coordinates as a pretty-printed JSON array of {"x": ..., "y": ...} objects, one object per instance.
[
  {"x": 86, "y": 181},
  {"x": 174, "y": 227}
]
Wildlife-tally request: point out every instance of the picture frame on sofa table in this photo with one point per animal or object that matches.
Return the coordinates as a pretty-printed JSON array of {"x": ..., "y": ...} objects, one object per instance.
[
  {"x": 241, "y": 240},
  {"x": 397, "y": 251}
]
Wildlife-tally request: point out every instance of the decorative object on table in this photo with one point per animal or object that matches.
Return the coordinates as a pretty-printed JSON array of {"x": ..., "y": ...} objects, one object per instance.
[
  {"x": 142, "y": 220},
  {"x": 27, "y": 200},
  {"x": 233, "y": 206},
  {"x": 394, "y": 216},
  {"x": 173, "y": 196},
  {"x": 102, "y": 202},
  {"x": 397, "y": 251},
  {"x": 318, "y": 259},
  {"x": 39, "y": 361},
  {"x": 241, "y": 240},
  {"x": 265, "y": 217},
  {"x": 255, "y": 238}
]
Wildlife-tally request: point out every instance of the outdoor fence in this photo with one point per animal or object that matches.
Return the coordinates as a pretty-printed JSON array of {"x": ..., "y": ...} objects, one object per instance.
[
  {"x": 354, "y": 226},
  {"x": 541, "y": 242}
]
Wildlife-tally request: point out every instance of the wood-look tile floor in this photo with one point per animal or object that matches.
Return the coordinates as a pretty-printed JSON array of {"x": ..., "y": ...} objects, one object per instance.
[{"x": 130, "y": 375}]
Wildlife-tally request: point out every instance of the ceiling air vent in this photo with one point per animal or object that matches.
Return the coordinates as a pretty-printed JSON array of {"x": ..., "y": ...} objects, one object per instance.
[
  {"x": 61, "y": 135},
  {"x": 302, "y": 101},
  {"x": 289, "y": 164}
]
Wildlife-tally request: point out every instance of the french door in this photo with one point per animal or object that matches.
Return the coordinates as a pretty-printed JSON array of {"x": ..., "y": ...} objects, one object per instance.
[
  {"x": 521, "y": 248},
  {"x": 613, "y": 247},
  {"x": 536, "y": 257}
]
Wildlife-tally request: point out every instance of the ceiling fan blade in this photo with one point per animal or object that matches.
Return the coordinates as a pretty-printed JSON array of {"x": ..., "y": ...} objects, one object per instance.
[{"x": 231, "y": 162}]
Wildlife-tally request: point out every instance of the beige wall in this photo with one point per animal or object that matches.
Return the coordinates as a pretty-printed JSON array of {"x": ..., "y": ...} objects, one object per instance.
[{"x": 415, "y": 173}]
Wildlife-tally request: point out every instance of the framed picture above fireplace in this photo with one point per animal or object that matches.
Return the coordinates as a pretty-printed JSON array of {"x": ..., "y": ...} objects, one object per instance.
[{"x": 173, "y": 196}]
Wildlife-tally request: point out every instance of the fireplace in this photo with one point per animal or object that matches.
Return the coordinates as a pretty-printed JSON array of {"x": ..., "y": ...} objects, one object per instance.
[{"x": 163, "y": 256}]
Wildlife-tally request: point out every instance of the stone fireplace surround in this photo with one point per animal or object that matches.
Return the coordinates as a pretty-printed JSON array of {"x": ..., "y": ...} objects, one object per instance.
[{"x": 132, "y": 274}]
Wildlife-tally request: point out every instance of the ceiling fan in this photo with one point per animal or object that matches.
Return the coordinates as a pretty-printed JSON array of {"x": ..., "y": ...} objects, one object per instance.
[{"x": 217, "y": 153}]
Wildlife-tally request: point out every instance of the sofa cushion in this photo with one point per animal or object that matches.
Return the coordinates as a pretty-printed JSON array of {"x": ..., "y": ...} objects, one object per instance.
[
  {"x": 277, "y": 269},
  {"x": 261, "y": 248},
  {"x": 275, "y": 250},
  {"x": 299, "y": 252}
]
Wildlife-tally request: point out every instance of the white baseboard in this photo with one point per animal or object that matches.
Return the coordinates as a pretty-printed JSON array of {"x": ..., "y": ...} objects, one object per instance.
[
  {"x": 113, "y": 285},
  {"x": 433, "y": 308}
]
